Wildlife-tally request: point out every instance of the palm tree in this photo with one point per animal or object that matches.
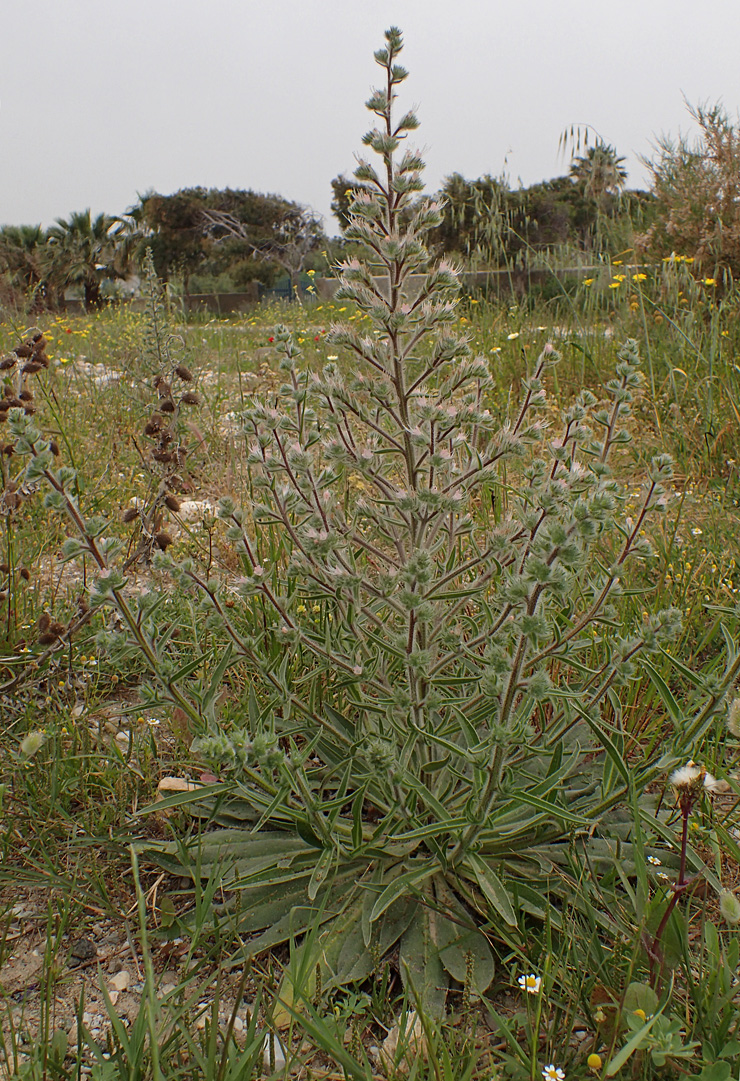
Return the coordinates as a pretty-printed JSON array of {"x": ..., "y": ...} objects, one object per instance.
[
  {"x": 85, "y": 251},
  {"x": 23, "y": 260},
  {"x": 600, "y": 173}
]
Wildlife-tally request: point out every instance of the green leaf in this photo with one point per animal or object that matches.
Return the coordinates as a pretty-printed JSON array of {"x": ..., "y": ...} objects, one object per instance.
[
  {"x": 630, "y": 1047},
  {"x": 422, "y": 971},
  {"x": 403, "y": 884},
  {"x": 492, "y": 888},
  {"x": 666, "y": 697},
  {"x": 321, "y": 871},
  {"x": 460, "y": 944}
]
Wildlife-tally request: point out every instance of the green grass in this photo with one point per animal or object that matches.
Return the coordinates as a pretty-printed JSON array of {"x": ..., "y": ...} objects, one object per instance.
[{"x": 71, "y": 809}]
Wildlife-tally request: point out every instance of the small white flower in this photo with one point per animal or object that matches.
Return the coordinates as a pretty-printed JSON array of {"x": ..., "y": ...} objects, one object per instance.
[
  {"x": 333, "y": 357},
  {"x": 553, "y": 1073},
  {"x": 696, "y": 531},
  {"x": 686, "y": 776},
  {"x": 654, "y": 860},
  {"x": 512, "y": 336},
  {"x": 531, "y": 983}
]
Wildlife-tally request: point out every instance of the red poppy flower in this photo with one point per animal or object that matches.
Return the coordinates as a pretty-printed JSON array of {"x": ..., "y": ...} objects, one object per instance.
[{"x": 271, "y": 339}]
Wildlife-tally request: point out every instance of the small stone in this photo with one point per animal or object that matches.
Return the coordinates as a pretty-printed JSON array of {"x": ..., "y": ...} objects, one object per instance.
[
  {"x": 87, "y": 1018},
  {"x": 238, "y": 1024},
  {"x": 72, "y": 1036},
  {"x": 113, "y": 996},
  {"x": 166, "y": 989},
  {"x": 84, "y": 949},
  {"x": 123, "y": 736},
  {"x": 272, "y": 1045},
  {"x": 121, "y": 980},
  {"x": 115, "y": 965}
]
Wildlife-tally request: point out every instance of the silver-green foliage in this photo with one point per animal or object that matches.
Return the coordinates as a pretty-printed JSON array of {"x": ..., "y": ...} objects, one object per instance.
[{"x": 451, "y": 717}]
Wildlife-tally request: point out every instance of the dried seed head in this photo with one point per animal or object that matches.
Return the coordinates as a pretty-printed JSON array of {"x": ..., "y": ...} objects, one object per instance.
[
  {"x": 8, "y": 362},
  {"x": 15, "y": 403},
  {"x": 190, "y": 398},
  {"x": 38, "y": 339},
  {"x": 162, "y": 456},
  {"x": 167, "y": 406},
  {"x": 42, "y": 359},
  {"x": 185, "y": 374},
  {"x": 4, "y": 568},
  {"x": 3, "y": 595},
  {"x": 3, "y": 416},
  {"x": 160, "y": 381},
  {"x": 44, "y": 622},
  {"x": 26, "y": 396},
  {"x": 164, "y": 540},
  {"x": 166, "y": 436},
  {"x": 8, "y": 392},
  {"x": 130, "y": 515},
  {"x": 57, "y": 628},
  {"x": 4, "y": 405},
  {"x": 54, "y": 448},
  {"x": 23, "y": 351},
  {"x": 31, "y": 367},
  {"x": 30, "y": 409},
  {"x": 153, "y": 426},
  {"x": 25, "y": 574},
  {"x": 8, "y": 450},
  {"x": 47, "y": 638},
  {"x": 172, "y": 502}
]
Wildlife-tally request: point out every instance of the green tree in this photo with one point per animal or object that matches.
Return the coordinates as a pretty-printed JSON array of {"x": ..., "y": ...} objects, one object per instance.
[
  {"x": 86, "y": 251},
  {"x": 23, "y": 263}
]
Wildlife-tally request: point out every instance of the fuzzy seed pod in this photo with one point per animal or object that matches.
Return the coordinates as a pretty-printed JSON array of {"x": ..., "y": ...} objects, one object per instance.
[
  {"x": 152, "y": 427},
  {"x": 24, "y": 350},
  {"x": 3, "y": 595},
  {"x": 190, "y": 398},
  {"x": 54, "y": 448},
  {"x": 185, "y": 374},
  {"x": 38, "y": 339},
  {"x": 44, "y": 622},
  {"x": 31, "y": 367},
  {"x": 167, "y": 406},
  {"x": 8, "y": 392},
  {"x": 15, "y": 403},
  {"x": 164, "y": 540},
  {"x": 4, "y": 405},
  {"x": 172, "y": 502},
  {"x": 30, "y": 409},
  {"x": 25, "y": 574},
  {"x": 9, "y": 451},
  {"x": 162, "y": 456},
  {"x": 4, "y": 568},
  {"x": 3, "y": 416},
  {"x": 57, "y": 628},
  {"x": 130, "y": 515},
  {"x": 47, "y": 638},
  {"x": 42, "y": 359},
  {"x": 7, "y": 363},
  {"x": 26, "y": 396}
]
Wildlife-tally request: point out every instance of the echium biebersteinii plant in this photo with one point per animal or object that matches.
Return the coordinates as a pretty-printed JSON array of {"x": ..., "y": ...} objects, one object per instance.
[{"x": 445, "y": 677}]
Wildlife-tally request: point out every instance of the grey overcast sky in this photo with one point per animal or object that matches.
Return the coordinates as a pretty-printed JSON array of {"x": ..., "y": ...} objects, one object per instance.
[{"x": 104, "y": 99}]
